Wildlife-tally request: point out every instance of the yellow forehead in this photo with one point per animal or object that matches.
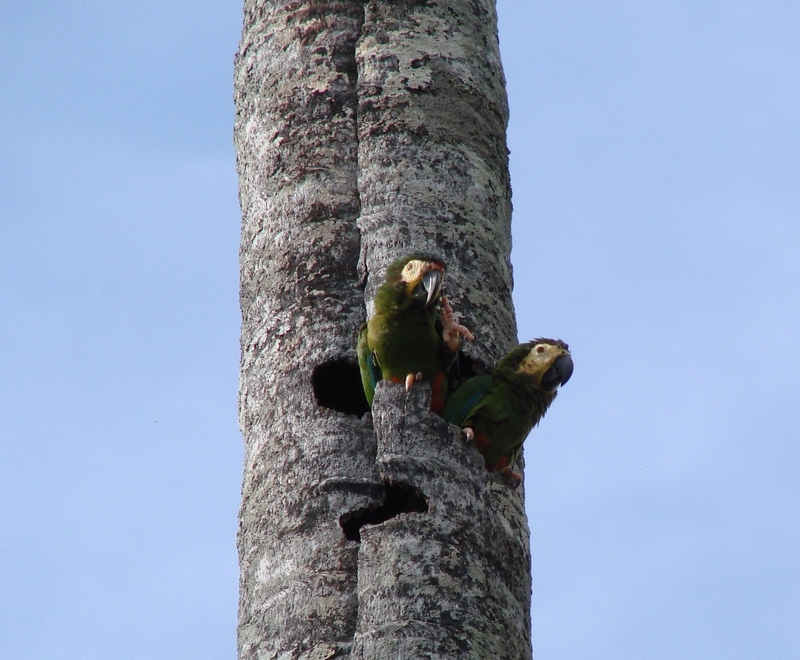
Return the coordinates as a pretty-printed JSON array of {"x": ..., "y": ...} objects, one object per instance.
[
  {"x": 540, "y": 355},
  {"x": 414, "y": 269}
]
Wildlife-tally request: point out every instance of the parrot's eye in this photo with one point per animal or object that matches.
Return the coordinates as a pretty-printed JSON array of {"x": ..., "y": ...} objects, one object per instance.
[
  {"x": 409, "y": 267},
  {"x": 539, "y": 348}
]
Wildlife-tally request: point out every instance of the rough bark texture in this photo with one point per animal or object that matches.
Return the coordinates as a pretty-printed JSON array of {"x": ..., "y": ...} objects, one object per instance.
[
  {"x": 432, "y": 157},
  {"x": 365, "y": 131},
  {"x": 451, "y": 581}
]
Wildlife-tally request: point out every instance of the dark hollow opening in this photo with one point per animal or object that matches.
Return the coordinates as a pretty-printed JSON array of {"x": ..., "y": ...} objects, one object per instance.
[
  {"x": 337, "y": 385},
  {"x": 465, "y": 367},
  {"x": 399, "y": 499}
]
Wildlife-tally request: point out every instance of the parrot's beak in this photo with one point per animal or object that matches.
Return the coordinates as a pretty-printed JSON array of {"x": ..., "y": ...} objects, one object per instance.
[
  {"x": 559, "y": 373},
  {"x": 432, "y": 283}
]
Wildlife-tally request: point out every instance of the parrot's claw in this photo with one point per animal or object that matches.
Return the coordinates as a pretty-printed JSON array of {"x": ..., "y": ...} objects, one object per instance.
[
  {"x": 469, "y": 433},
  {"x": 411, "y": 379},
  {"x": 513, "y": 475},
  {"x": 452, "y": 331}
]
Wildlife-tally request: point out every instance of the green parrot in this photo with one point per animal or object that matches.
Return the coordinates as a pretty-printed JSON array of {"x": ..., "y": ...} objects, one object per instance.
[
  {"x": 499, "y": 411},
  {"x": 412, "y": 335}
]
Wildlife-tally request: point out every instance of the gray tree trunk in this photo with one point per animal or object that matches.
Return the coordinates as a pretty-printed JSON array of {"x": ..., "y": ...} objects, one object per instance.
[{"x": 365, "y": 131}]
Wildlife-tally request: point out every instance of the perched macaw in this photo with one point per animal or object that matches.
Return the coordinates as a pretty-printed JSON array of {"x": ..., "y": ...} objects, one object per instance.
[
  {"x": 499, "y": 411},
  {"x": 412, "y": 335}
]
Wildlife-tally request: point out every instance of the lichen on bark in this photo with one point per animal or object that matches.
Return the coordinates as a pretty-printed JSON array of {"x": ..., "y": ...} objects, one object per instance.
[
  {"x": 451, "y": 581},
  {"x": 364, "y": 131},
  {"x": 432, "y": 158}
]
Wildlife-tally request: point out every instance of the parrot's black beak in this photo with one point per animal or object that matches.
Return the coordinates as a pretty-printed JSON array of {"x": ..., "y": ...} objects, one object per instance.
[
  {"x": 432, "y": 283},
  {"x": 559, "y": 373}
]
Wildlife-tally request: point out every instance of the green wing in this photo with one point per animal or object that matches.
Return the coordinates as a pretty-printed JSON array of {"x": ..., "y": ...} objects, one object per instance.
[
  {"x": 467, "y": 399},
  {"x": 368, "y": 365}
]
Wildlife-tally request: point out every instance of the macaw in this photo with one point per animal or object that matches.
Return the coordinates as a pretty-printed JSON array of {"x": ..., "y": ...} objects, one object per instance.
[
  {"x": 497, "y": 412},
  {"x": 413, "y": 334}
]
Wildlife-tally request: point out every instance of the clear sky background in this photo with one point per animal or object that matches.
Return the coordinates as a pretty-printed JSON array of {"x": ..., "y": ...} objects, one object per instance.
[{"x": 656, "y": 173}]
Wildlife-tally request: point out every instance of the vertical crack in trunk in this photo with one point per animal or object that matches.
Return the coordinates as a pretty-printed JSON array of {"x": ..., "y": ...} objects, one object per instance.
[
  {"x": 308, "y": 456},
  {"x": 365, "y": 130}
]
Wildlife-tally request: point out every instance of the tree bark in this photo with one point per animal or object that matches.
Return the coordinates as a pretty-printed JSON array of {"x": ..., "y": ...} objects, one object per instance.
[{"x": 365, "y": 131}]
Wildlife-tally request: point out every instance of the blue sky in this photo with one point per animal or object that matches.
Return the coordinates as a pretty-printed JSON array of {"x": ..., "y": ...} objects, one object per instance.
[{"x": 656, "y": 173}]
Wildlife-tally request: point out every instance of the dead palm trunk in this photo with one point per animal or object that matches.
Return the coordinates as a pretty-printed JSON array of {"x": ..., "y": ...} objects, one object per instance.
[{"x": 364, "y": 131}]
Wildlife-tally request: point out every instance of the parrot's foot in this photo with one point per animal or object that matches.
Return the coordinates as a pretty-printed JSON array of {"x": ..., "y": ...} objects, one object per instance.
[
  {"x": 513, "y": 475},
  {"x": 410, "y": 379},
  {"x": 469, "y": 433},
  {"x": 452, "y": 332}
]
